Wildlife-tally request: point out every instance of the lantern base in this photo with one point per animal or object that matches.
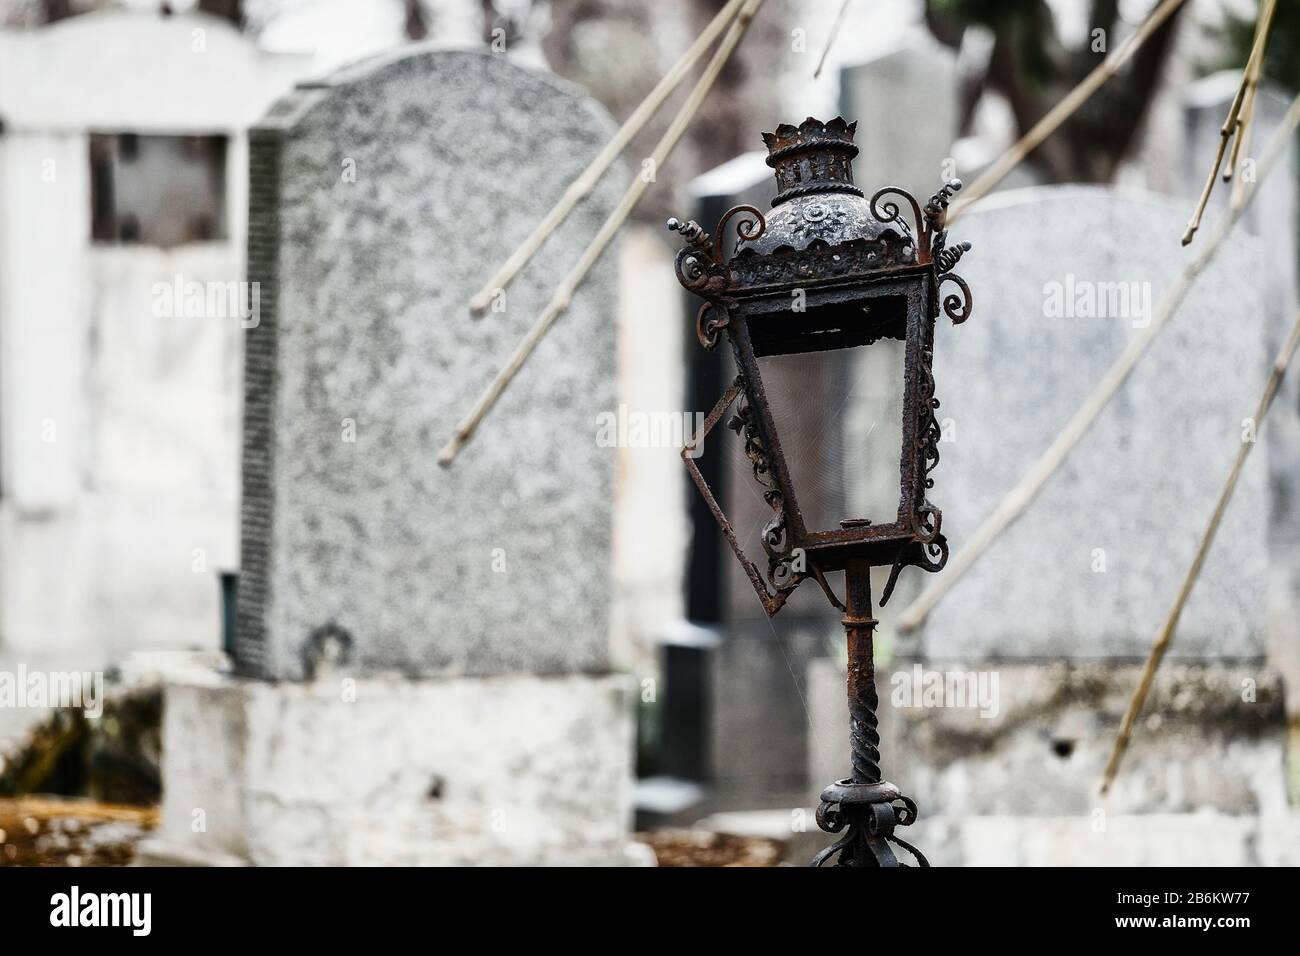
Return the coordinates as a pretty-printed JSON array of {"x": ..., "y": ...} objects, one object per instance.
[{"x": 869, "y": 812}]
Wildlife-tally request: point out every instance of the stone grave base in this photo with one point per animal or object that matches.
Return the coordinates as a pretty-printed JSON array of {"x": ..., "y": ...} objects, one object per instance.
[
  {"x": 1158, "y": 839},
  {"x": 1016, "y": 784},
  {"x": 508, "y": 770},
  {"x": 1212, "y": 737}
]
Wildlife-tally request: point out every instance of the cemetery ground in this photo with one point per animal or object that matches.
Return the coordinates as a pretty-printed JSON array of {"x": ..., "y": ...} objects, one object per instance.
[
  {"x": 76, "y": 793},
  {"x": 47, "y": 831}
]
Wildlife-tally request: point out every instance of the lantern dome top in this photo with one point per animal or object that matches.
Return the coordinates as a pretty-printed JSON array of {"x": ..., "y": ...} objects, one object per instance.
[
  {"x": 819, "y": 210},
  {"x": 821, "y": 227},
  {"x": 831, "y": 219}
]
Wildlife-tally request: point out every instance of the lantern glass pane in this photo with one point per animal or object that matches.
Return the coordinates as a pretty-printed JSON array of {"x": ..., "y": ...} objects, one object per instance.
[
  {"x": 839, "y": 417},
  {"x": 873, "y": 424}
]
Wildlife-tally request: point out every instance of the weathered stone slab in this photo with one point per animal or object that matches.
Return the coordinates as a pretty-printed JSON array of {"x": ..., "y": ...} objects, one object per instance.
[
  {"x": 1091, "y": 567},
  {"x": 1209, "y": 838},
  {"x": 389, "y": 771},
  {"x": 380, "y": 199},
  {"x": 906, "y": 103},
  {"x": 1034, "y": 738}
]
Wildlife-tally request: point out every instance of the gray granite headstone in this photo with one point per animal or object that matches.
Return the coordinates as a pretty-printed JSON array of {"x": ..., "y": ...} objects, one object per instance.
[
  {"x": 905, "y": 102},
  {"x": 379, "y": 200},
  {"x": 1090, "y": 569}
]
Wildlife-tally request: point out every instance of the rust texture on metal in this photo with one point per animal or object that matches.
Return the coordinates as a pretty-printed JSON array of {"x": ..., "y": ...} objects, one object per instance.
[{"x": 861, "y": 272}]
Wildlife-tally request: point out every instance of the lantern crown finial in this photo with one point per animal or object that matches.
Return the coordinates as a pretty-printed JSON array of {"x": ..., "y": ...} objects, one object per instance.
[
  {"x": 813, "y": 157},
  {"x": 810, "y": 131}
]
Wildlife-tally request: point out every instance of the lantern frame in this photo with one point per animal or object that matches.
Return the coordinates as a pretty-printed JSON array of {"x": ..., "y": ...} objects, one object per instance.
[{"x": 869, "y": 257}]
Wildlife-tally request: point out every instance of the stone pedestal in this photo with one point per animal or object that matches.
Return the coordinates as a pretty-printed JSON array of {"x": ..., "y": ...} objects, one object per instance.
[{"x": 384, "y": 771}]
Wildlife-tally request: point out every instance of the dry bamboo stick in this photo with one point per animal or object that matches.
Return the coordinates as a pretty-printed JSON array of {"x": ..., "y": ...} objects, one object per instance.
[
  {"x": 1232, "y": 126},
  {"x": 586, "y": 182},
  {"x": 1019, "y": 498},
  {"x": 564, "y": 293},
  {"x": 1254, "y": 70},
  {"x": 1239, "y": 142},
  {"x": 1247, "y": 115},
  {"x": 830, "y": 40},
  {"x": 1062, "y": 111},
  {"x": 1164, "y": 637}
]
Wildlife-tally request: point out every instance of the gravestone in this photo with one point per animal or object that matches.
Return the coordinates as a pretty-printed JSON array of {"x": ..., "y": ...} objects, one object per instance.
[
  {"x": 907, "y": 100},
  {"x": 906, "y": 104},
  {"x": 377, "y": 211},
  {"x": 424, "y": 651},
  {"x": 1089, "y": 569}
]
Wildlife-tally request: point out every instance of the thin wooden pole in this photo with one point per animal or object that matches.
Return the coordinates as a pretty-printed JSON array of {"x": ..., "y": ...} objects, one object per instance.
[
  {"x": 1018, "y": 499},
  {"x": 1165, "y": 636},
  {"x": 830, "y": 39},
  {"x": 1235, "y": 124},
  {"x": 586, "y": 182},
  {"x": 564, "y": 294},
  {"x": 1063, "y": 110}
]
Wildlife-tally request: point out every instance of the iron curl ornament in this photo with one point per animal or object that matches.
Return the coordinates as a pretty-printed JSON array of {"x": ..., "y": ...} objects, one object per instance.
[{"x": 864, "y": 270}]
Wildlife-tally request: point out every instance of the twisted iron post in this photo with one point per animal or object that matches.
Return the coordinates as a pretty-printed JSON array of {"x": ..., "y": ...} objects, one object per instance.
[
  {"x": 865, "y": 805},
  {"x": 859, "y": 628}
]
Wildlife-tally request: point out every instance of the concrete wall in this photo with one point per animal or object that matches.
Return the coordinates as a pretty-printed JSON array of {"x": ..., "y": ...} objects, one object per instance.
[{"x": 118, "y": 428}]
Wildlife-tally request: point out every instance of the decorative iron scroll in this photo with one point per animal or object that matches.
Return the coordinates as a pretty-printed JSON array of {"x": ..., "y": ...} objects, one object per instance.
[
  {"x": 775, "y": 537},
  {"x": 746, "y": 229},
  {"x": 773, "y": 534},
  {"x": 709, "y": 323},
  {"x": 928, "y": 432},
  {"x": 889, "y": 213},
  {"x": 930, "y": 224},
  {"x": 956, "y": 308},
  {"x": 700, "y": 265},
  {"x": 927, "y": 520},
  {"x": 936, "y": 216},
  {"x": 948, "y": 258}
]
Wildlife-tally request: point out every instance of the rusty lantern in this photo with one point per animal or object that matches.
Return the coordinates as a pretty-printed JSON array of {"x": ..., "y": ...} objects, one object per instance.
[{"x": 828, "y": 269}]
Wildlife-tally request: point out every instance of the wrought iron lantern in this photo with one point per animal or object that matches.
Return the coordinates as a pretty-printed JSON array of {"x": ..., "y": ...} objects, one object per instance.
[{"x": 828, "y": 269}]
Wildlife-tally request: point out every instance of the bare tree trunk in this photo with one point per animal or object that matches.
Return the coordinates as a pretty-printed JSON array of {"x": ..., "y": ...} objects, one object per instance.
[
  {"x": 54, "y": 10},
  {"x": 417, "y": 23},
  {"x": 232, "y": 10},
  {"x": 1033, "y": 70}
]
